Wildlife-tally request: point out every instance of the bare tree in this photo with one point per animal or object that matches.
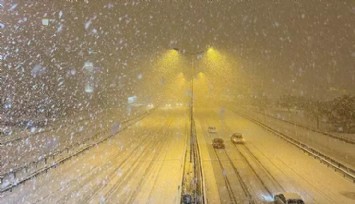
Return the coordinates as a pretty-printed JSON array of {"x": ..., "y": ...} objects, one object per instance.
[{"x": 342, "y": 113}]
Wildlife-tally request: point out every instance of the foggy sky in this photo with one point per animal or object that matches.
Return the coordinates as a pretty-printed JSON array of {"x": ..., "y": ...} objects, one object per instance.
[
  {"x": 302, "y": 47},
  {"x": 286, "y": 47}
]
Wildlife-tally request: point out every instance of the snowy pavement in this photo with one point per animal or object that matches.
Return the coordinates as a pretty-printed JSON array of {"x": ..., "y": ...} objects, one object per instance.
[
  {"x": 336, "y": 149},
  {"x": 263, "y": 166},
  {"x": 142, "y": 164},
  {"x": 302, "y": 120},
  {"x": 62, "y": 134},
  {"x": 145, "y": 163}
]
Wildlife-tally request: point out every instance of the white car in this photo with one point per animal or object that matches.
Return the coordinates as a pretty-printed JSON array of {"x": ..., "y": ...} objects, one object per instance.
[
  {"x": 288, "y": 198},
  {"x": 237, "y": 138}
]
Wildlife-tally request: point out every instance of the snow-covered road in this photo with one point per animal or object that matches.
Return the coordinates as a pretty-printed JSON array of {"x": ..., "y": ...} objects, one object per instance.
[
  {"x": 144, "y": 164},
  {"x": 263, "y": 166},
  {"x": 337, "y": 149},
  {"x": 141, "y": 164}
]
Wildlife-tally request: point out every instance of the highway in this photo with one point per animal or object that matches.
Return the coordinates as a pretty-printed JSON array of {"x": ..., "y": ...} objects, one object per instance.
[
  {"x": 111, "y": 102},
  {"x": 263, "y": 166},
  {"x": 145, "y": 164},
  {"x": 141, "y": 164},
  {"x": 340, "y": 150}
]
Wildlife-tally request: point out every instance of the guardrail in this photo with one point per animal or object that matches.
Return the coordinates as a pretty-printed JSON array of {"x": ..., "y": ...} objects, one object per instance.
[
  {"x": 78, "y": 122},
  {"x": 200, "y": 168},
  {"x": 347, "y": 140},
  {"x": 22, "y": 174},
  {"x": 193, "y": 182},
  {"x": 8, "y": 139},
  {"x": 337, "y": 166}
]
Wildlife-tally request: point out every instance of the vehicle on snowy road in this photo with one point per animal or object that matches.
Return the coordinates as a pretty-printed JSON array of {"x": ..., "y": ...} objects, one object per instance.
[
  {"x": 218, "y": 143},
  {"x": 237, "y": 138},
  {"x": 288, "y": 198},
  {"x": 212, "y": 129}
]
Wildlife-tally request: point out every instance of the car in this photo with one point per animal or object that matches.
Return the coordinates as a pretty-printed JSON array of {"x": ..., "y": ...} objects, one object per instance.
[
  {"x": 212, "y": 129},
  {"x": 288, "y": 198},
  {"x": 237, "y": 138},
  {"x": 218, "y": 143}
]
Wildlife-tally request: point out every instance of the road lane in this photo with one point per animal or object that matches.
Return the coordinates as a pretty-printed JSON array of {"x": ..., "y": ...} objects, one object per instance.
[
  {"x": 165, "y": 180},
  {"x": 332, "y": 147},
  {"x": 211, "y": 187},
  {"x": 154, "y": 147},
  {"x": 144, "y": 164},
  {"x": 279, "y": 165}
]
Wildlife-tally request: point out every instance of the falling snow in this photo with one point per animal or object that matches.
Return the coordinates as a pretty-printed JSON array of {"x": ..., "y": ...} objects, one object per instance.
[{"x": 113, "y": 101}]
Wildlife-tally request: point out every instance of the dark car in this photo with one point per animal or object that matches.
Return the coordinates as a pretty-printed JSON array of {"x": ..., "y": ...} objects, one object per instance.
[
  {"x": 288, "y": 198},
  {"x": 218, "y": 143}
]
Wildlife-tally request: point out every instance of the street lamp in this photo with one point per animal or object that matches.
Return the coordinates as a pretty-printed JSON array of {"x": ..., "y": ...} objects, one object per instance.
[
  {"x": 192, "y": 76},
  {"x": 197, "y": 175},
  {"x": 192, "y": 135}
]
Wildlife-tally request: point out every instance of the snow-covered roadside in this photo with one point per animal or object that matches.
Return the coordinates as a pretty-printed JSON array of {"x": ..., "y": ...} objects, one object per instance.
[
  {"x": 301, "y": 120},
  {"x": 338, "y": 150},
  {"x": 42, "y": 150},
  {"x": 140, "y": 164}
]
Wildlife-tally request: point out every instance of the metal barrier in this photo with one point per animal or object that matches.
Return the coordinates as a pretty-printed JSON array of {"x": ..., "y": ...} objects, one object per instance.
[
  {"x": 21, "y": 174},
  {"x": 339, "y": 167},
  {"x": 347, "y": 140}
]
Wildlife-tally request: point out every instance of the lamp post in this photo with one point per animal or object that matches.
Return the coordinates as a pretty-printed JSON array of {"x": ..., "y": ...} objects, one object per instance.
[
  {"x": 194, "y": 181},
  {"x": 192, "y": 54}
]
